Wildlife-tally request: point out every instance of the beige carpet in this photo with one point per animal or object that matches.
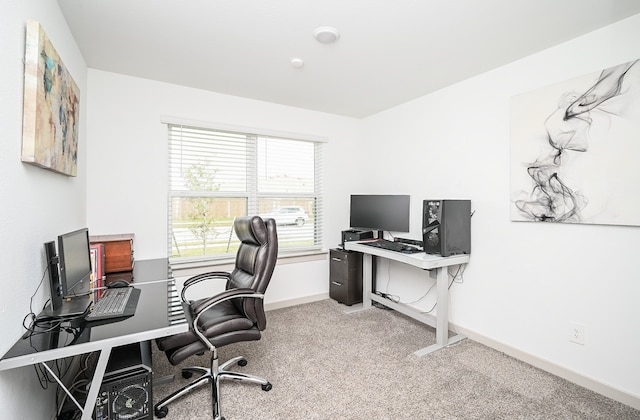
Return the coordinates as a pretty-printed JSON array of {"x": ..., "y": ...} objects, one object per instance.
[{"x": 324, "y": 364}]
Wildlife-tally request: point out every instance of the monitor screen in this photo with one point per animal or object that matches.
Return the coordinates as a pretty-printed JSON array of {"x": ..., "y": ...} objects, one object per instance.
[
  {"x": 75, "y": 261},
  {"x": 380, "y": 212}
]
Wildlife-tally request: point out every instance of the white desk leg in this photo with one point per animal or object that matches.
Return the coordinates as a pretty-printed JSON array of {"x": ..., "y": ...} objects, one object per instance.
[
  {"x": 442, "y": 318},
  {"x": 98, "y": 375},
  {"x": 367, "y": 280},
  {"x": 442, "y": 321}
]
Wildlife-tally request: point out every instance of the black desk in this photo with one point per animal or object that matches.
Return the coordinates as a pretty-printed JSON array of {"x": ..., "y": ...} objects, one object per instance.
[{"x": 158, "y": 314}]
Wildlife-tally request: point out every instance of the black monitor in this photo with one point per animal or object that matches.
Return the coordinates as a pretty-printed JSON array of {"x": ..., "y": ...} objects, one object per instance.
[
  {"x": 75, "y": 262},
  {"x": 380, "y": 212}
]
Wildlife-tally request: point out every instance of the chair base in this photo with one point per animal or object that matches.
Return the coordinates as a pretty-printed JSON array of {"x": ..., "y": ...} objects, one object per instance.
[{"x": 212, "y": 375}]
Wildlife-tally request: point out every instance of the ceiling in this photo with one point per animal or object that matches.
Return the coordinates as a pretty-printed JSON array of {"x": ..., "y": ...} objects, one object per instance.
[{"x": 389, "y": 51}]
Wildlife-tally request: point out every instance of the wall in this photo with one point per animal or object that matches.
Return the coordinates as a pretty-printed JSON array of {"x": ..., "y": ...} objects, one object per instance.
[
  {"x": 129, "y": 152},
  {"x": 37, "y": 204},
  {"x": 526, "y": 282}
]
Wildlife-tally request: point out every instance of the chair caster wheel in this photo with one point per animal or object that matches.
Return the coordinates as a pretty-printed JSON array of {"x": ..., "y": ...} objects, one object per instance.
[
  {"x": 267, "y": 386},
  {"x": 186, "y": 374},
  {"x": 161, "y": 412},
  {"x": 242, "y": 362}
]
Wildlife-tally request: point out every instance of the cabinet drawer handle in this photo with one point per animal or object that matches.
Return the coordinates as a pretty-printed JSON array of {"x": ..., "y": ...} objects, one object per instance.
[
  {"x": 336, "y": 259},
  {"x": 336, "y": 283}
]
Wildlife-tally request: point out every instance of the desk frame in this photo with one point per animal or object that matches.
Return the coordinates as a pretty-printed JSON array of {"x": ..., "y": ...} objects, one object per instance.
[
  {"x": 422, "y": 261},
  {"x": 104, "y": 346}
]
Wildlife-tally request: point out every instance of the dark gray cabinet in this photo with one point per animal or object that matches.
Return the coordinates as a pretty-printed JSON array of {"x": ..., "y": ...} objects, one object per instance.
[{"x": 345, "y": 276}]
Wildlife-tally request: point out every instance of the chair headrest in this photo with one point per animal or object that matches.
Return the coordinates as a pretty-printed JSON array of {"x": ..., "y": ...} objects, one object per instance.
[{"x": 251, "y": 229}]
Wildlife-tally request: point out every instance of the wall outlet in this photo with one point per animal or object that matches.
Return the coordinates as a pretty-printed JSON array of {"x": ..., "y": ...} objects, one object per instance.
[{"x": 576, "y": 333}]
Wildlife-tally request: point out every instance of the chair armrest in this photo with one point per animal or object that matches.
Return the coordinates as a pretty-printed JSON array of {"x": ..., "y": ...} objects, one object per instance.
[
  {"x": 213, "y": 275},
  {"x": 197, "y": 309},
  {"x": 202, "y": 305}
]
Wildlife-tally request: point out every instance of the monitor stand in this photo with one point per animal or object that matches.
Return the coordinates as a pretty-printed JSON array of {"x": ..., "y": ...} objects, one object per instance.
[{"x": 70, "y": 308}]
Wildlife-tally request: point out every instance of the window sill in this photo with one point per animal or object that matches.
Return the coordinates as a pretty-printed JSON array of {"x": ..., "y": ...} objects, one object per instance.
[{"x": 195, "y": 267}]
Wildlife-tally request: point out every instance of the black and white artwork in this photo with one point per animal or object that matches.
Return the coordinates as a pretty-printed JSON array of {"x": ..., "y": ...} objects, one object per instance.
[{"x": 575, "y": 150}]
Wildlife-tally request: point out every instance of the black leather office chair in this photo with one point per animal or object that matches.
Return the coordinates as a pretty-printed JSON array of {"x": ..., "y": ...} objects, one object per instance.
[{"x": 235, "y": 315}]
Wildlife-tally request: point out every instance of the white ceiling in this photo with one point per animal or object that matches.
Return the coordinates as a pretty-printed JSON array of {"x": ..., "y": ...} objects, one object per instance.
[{"x": 389, "y": 52}]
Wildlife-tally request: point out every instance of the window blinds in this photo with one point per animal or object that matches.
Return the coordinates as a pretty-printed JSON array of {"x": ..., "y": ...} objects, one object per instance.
[{"x": 217, "y": 175}]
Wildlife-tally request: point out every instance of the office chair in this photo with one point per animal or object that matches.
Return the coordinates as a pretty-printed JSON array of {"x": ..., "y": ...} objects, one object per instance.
[{"x": 234, "y": 315}]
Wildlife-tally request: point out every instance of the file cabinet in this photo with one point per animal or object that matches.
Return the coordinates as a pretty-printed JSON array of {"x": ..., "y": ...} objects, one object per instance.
[{"x": 345, "y": 276}]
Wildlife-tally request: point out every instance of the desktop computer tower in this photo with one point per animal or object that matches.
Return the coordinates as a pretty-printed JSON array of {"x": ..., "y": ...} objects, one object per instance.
[
  {"x": 355, "y": 235},
  {"x": 126, "y": 390},
  {"x": 446, "y": 227},
  {"x": 54, "y": 277}
]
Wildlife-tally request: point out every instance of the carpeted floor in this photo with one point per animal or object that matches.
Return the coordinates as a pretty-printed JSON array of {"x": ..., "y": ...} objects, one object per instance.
[{"x": 324, "y": 364}]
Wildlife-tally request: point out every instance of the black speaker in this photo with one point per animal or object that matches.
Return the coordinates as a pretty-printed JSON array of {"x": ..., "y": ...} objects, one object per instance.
[
  {"x": 446, "y": 227},
  {"x": 126, "y": 390},
  {"x": 54, "y": 275}
]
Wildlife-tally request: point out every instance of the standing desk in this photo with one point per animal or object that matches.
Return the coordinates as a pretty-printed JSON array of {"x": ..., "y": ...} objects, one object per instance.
[
  {"x": 422, "y": 261},
  {"x": 158, "y": 314}
]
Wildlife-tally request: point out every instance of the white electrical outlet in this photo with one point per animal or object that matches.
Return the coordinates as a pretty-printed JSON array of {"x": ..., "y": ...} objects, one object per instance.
[{"x": 576, "y": 333}]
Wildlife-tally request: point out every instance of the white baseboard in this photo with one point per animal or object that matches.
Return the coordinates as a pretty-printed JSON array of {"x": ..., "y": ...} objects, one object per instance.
[
  {"x": 293, "y": 302},
  {"x": 568, "y": 374}
]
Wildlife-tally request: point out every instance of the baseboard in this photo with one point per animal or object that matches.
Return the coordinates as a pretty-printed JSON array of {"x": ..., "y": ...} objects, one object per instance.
[
  {"x": 547, "y": 366},
  {"x": 297, "y": 301}
]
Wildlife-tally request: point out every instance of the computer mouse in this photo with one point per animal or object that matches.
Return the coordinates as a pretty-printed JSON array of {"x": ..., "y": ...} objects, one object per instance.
[{"x": 118, "y": 283}]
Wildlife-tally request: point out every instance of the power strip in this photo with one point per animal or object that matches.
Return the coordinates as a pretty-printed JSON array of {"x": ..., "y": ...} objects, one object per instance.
[{"x": 409, "y": 241}]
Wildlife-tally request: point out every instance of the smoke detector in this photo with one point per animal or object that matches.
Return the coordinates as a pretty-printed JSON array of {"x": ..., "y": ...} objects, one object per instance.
[{"x": 326, "y": 34}]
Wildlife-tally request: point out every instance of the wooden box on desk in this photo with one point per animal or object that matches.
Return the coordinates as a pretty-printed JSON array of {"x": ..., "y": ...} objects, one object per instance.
[{"x": 118, "y": 251}]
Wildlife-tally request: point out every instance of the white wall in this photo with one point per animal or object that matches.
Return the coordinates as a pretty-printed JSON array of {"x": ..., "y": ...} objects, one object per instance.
[
  {"x": 37, "y": 204},
  {"x": 128, "y": 163},
  {"x": 526, "y": 282}
]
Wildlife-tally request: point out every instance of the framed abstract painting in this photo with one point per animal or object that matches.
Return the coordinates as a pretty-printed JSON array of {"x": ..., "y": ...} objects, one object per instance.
[
  {"x": 574, "y": 150},
  {"x": 51, "y": 106}
]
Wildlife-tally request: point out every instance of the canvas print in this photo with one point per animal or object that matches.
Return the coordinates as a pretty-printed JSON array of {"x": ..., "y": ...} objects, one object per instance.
[
  {"x": 574, "y": 150},
  {"x": 51, "y": 107}
]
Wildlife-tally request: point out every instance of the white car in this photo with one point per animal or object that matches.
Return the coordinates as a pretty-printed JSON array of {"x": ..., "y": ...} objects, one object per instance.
[{"x": 289, "y": 215}]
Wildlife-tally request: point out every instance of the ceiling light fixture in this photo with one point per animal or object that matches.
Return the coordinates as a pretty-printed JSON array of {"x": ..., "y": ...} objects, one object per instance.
[
  {"x": 326, "y": 34},
  {"x": 297, "y": 62}
]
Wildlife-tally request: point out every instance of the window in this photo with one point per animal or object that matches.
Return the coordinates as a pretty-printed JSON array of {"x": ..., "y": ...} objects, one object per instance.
[{"x": 217, "y": 175}]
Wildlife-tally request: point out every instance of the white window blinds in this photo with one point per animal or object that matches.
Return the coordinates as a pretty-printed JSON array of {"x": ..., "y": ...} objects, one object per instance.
[{"x": 216, "y": 175}]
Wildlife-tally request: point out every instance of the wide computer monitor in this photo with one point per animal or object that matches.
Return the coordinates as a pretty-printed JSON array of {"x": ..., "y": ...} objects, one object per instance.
[
  {"x": 380, "y": 212},
  {"x": 75, "y": 262}
]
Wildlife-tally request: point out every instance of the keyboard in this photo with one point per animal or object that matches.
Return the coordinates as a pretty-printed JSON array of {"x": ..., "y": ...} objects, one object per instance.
[
  {"x": 392, "y": 246},
  {"x": 112, "y": 304}
]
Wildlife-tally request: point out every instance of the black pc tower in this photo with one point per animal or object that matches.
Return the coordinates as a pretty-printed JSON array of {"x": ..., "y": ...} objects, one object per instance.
[
  {"x": 54, "y": 278},
  {"x": 446, "y": 227},
  {"x": 126, "y": 391}
]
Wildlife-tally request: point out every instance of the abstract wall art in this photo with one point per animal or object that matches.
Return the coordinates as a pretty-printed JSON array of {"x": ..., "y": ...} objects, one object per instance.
[
  {"x": 575, "y": 148},
  {"x": 51, "y": 106}
]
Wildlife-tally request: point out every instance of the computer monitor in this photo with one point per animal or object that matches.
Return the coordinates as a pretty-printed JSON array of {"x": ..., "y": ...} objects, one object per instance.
[
  {"x": 380, "y": 212},
  {"x": 75, "y": 262}
]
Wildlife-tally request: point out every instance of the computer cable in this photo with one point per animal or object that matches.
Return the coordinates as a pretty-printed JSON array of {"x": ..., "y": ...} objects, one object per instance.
[
  {"x": 78, "y": 384},
  {"x": 459, "y": 273},
  {"x": 61, "y": 366},
  {"x": 436, "y": 304},
  {"x": 31, "y": 314},
  {"x": 392, "y": 298},
  {"x": 421, "y": 297}
]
